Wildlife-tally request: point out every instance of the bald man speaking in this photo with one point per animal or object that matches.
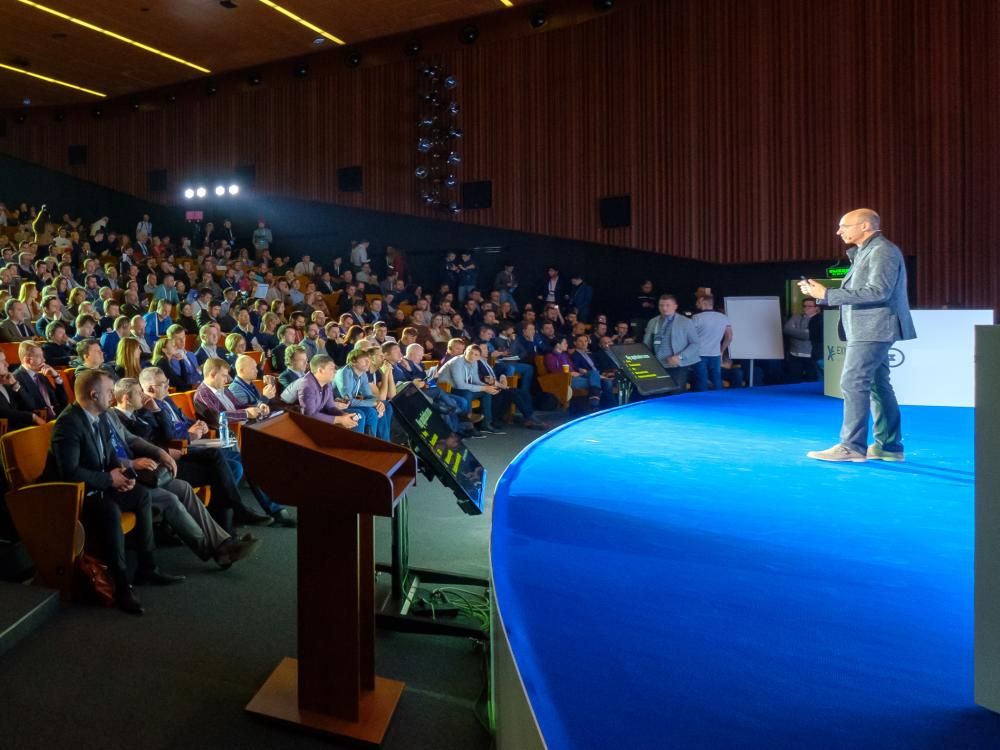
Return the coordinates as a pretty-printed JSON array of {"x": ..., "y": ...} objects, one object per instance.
[{"x": 875, "y": 313}]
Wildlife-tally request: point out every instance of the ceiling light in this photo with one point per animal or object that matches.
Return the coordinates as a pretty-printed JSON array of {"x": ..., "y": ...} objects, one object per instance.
[
  {"x": 508, "y": 3},
  {"x": 413, "y": 47},
  {"x": 234, "y": 189},
  {"x": 539, "y": 18},
  {"x": 189, "y": 193},
  {"x": 254, "y": 79},
  {"x": 113, "y": 35},
  {"x": 220, "y": 190},
  {"x": 201, "y": 192},
  {"x": 304, "y": 22},
  {"x": 52, "y": 80},
  {"x": 468, "y": 35},
  {"x": 319, "y": 40},
  {"x": 352, "y": 59}
]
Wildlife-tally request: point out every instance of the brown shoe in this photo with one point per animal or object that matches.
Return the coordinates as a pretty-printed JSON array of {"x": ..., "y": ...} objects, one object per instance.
[
  {"x": 475, "y": 418},
  {"x": 839, "y": 453},
  {"x": 878, "y": 453}
]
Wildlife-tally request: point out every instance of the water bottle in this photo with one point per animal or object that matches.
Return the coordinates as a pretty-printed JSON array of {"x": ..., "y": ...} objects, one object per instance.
[{"x": 223, "y": 428}]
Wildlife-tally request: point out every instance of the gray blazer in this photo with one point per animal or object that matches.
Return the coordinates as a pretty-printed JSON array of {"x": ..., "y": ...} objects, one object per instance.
[
  {"x": 684, "y": 339},
  {"x": 872, "y": 299}
]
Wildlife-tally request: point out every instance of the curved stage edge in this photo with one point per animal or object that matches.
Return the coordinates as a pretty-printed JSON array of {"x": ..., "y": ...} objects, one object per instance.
[{"x": 677, "y": 574}]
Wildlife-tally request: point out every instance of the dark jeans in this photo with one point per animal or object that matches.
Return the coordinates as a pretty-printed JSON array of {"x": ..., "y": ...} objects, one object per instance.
[
  {"x": 801, "y": 369},
  {"x": 485, "y": 402},
  {"x": 865, "y": 385},
  {"x": 680, "y": 375},
  {"x": 102, "y": 518},
  {"x": 707, "y": 371},
  {"x": 208, "y": 466}
]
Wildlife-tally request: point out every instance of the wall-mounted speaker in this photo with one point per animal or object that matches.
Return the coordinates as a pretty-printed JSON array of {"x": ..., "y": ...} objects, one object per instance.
[
  {"x": 158, "y": 181},
  {"x": 349, "y": 179},
  {"x": 616, "y": 212},
  {"x": 477, "y": 194},
  {"x": 77, "y": 155}
]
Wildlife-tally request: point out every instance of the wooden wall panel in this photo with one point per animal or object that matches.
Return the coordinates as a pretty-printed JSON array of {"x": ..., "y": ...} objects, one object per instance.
[{"x": 742, "y": 130}]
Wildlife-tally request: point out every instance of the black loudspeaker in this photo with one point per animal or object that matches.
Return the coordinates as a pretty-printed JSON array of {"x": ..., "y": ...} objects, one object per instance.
[
  {"x": 158, "y": 181},
  {"x": 246, "y": 175},
  {"x": 349, "y": 179},
  {"x": 477, "y": 194},
  {"x": 77, "y": 156},
  {"x": 616, "y": 212}
]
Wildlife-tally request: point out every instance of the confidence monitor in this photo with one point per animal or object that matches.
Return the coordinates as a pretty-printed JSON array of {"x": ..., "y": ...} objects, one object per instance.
[
  {"x": 440, "y": 451},
  {"x": 642, "y": 369}
]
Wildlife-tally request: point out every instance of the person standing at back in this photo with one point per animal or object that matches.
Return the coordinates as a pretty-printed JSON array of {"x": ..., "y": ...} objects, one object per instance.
[{"x": 875, "y": 313}]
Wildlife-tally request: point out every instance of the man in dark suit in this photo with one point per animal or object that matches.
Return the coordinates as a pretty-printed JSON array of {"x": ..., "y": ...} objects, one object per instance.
[
  {"x": 81, "y": 451},
  {"x": 12, "y": 406},
  {"x": 16, "y": 327},
  {"x": 38, "y": 393}
]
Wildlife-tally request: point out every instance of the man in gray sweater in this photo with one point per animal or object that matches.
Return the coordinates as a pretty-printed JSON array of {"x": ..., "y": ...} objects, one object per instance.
[{"x": 875, "y": 313}]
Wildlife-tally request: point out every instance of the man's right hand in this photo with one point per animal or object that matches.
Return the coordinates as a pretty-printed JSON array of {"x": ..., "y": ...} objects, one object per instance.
[
  {"x": 37, "y": 419},
  {"x": 198, "y": 430},
  {"x": 253, "y": 412},
  {"x": 121, "y": 482},
  {"x": 347, "y": 421}
]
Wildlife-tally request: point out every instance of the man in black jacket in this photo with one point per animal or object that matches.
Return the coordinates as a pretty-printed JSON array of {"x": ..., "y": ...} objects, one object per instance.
[
  {"x": 37, "y": 392},
  {"x": 81, "y": 451},
  {"x": 12, "y": 406}
]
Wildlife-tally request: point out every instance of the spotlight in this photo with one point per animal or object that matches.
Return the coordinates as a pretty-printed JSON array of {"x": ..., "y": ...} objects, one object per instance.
[
  {"x": 538, "y": 19},
  {"x": 234, "y": 189},
  {"x": 201, "y": 192},
  {"x": 454, "y": 207},
  {"x": 220, "y": 190},
  {"x": 302, "y": 71},
  {"x": 171, "y": 98},
  {"x": 455, "y": 133},
  {"x": 134, "y": 106},
  {"x": 454, "y": 108},
  {"x": 468, "y": 34},
  {"x": 319, "y": 40},
  {"x": 450, "y": 82},
  {"x": 98, "y": 113},
  {"x": 604, "y": 4},
  {"x": 212, "y": 89},
  {"x": 21, "y": 117},
  {"x": 189, "y": 193},
  {"x": 413, "y": 47},
  {"x": 450, "y": 181},
  {"x": 254, "y": 79},
  {"x": 420, "y": 172},
  {"x": 426, "y": 122},
  {"x": 454, "y": 158},
  {"x": 26, "y": 102},
  {"x": 352, "y": 59},
  {"x": 424, "y": 145}
]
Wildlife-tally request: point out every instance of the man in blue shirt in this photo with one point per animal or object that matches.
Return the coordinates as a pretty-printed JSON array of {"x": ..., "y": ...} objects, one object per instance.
[
  {"x": 351, "y": 384},
  {"x": 159, "y": 321}
]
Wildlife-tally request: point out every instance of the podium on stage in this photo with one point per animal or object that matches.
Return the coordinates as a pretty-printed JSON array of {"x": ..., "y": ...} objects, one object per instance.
[{"x": 338, "y": 479}]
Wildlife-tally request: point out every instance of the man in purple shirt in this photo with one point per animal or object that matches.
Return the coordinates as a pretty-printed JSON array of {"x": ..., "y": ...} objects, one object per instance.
[{"x": 316, "y": 393}]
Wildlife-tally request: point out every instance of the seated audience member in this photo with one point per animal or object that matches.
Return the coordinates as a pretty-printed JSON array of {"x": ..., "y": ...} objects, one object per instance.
[
  {"x": 210, "y": 315},
  {"x": 714, "y": 334},
  {"x": 106, "y": 323},
  {"x": 16, "y": 326},
  {"x": 462, "y": 374},
  {"x": 296, "y": 364},
  {"x": 90, "y": 356},
  {"x": 157, "y": 322},
  {"x": 81, "y": 451},
  {"x": 12, "y": 406},
  {"x": 380, "y": 376},
  {"x": 316, "y": 394},
  {"x": 622, "y": 334},
  {"x": 210, "y": 349},
  {"x": 235, "y": 346},
  {"x": 528, "y": 344},
  {"x": 286, "y": 338},
  {"x": 521, "y": 399},
  {"x": 212, "y": 399},
  {"x": 583, "y": 362},
  {"x": 267, "y": 338},
  {"x": 220, "y": 468},
  {"x": 85, "y": 327},
  {"x": 38, "y": 393},
  {"x": 455, "y": 348},
  {"x": 558, "y": 360},
  {"x": 312, "y": 342},
  {"x": 351, "y": 383},
  {"x": 507, "y": 362},
  {"x": 603, "y": 358},
  {"x": 801, "y": 364},
  {"x": 244, "y": 391},
  {"x": 186, "y": 318},
  {"x": 186, "y": 514},
  {"x": 58, "y": 349},
  {"x": 51, "y": 312},
  {"x": 128, "y": 359},
  {"x": 137, "y": 331},
  {"x": 110, "y": 339},
  {"x": 185, "y": 362},
  {"x": 244, "y": 327}
]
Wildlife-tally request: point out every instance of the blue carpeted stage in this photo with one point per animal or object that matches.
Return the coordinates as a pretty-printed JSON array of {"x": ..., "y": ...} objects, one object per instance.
[{"x": 677, "y": 574}]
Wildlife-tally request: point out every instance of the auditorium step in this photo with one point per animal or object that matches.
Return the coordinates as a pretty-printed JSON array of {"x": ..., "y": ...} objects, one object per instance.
[{"x": 23, "y": 609}]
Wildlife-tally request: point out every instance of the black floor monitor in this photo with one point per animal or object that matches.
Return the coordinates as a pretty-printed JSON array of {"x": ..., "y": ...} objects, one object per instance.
[
  {"x": 439, "y": 449},
  {"x": 642, "y": 369}
]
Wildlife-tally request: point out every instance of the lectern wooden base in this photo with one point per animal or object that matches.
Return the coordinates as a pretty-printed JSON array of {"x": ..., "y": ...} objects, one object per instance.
[{"x": 278, "y": 699}]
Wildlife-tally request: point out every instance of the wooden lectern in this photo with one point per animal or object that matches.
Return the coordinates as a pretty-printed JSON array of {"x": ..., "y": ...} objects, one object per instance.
[{"x": 339, "y": 480}]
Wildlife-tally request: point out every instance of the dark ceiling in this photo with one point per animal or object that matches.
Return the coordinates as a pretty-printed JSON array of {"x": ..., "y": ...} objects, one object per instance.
[{"x": 202, "y": 32}]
